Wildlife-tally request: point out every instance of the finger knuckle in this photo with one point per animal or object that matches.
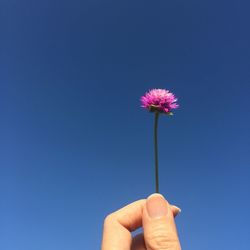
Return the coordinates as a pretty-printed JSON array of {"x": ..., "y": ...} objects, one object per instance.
[
  {"x": 162, "y": 240},
  {"x": 109, "y": 219}
]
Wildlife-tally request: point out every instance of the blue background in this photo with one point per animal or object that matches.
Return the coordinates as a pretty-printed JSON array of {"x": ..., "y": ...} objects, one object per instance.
[{"x": 75, "y": 144}]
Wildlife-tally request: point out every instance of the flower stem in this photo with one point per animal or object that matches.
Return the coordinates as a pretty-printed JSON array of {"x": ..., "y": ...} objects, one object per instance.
[{"x": 156, "y": 152}]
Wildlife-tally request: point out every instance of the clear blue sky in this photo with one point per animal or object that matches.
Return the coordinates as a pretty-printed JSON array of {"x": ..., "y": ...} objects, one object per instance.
[{"x": 75, "y": 144}]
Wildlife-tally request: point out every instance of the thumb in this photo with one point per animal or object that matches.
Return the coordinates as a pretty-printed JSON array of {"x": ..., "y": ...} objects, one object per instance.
[{"x": 158, "y": 224}]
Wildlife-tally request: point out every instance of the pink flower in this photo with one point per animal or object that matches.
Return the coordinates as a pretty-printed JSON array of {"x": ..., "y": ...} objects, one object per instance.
[{"x": 160, "y": 100}]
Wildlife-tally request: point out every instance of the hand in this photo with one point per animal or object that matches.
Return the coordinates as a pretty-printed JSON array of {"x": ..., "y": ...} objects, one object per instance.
[{"x": 156, "y": 217}]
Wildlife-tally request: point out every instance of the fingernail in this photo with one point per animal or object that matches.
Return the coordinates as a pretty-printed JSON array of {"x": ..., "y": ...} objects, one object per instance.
[
  {"x": 156, "y": 206},
  {"x": 177, "y": 209}
]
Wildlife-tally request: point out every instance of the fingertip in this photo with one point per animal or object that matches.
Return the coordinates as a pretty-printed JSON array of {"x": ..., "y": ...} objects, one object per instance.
[
  {"x": 176, "y": 210},
  {"x": 155, "y": 195}
]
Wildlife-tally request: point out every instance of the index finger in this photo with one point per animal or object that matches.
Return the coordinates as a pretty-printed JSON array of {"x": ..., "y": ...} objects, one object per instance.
[{"x": 119, "y": 225}]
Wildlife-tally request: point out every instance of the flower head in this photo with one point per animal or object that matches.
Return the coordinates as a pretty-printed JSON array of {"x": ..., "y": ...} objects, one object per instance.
[{"x": 160, "y": 100}]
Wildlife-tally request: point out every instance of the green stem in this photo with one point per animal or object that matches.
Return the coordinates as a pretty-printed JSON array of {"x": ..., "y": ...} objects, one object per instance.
[{"x": 156, "y": 152}]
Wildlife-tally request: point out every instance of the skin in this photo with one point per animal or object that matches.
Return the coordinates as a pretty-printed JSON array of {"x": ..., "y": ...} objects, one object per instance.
[{"x": 159, "y": 231}]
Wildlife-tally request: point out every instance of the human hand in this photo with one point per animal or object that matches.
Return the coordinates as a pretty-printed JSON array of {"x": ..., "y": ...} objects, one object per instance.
[{"x": 156, "y": 217}]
